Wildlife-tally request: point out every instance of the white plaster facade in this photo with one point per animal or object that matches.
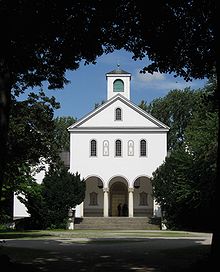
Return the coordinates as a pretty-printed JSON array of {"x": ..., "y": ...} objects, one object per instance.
[{"x": 111, "y": 178}]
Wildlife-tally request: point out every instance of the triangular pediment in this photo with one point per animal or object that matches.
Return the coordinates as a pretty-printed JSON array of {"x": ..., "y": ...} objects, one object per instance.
[{"x": 132, "y": 117}]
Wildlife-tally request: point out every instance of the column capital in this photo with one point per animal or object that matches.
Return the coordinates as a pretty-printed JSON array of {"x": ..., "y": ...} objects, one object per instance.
[
  {"x": 106, "y": 190},
  {"x": 130, "y": 190}
]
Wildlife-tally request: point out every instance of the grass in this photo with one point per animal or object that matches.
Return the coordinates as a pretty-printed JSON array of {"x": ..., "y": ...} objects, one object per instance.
[{"x": 68, "y": 234}]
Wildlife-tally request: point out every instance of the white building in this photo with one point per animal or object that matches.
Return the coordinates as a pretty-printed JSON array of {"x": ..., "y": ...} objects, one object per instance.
[{"x": 116, "y": 148}]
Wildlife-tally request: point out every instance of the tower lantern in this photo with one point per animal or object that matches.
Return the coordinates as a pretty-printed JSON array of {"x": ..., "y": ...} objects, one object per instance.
[{"x": 118, "y": 81}]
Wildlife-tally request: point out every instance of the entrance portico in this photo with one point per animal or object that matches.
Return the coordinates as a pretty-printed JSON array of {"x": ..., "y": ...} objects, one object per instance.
[{"x": 102, "y": 199}]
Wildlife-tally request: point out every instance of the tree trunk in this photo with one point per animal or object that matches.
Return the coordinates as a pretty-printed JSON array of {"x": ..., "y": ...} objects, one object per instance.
[{"x": 5, "y": 102}]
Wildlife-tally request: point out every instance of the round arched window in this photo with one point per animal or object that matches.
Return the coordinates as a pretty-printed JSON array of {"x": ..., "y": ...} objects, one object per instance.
[
  {"x": 118, "y": 85},
  {"x": 118, "y": 114}
]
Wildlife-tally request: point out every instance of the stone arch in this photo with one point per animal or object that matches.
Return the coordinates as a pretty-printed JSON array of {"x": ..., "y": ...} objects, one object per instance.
[
  {"x": 94, "y": 176},
  {"x": 143, "y": 198},
  {"x": 121, "y": 177},
  {"x": 118, "y": 194},
  {"x": 94, "y": 187},
  {"x": 139, "y": 176}
]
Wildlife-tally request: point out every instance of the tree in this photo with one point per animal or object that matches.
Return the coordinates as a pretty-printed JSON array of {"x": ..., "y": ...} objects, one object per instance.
[
  {"x": 144, "y": 106},
  {"x": 175, "y": 110},
  {"x": 31, "y": 134},
  {"x": 183, "y": 185},
  {"x": 99, "y": 104},
  {"x": 61, "y": 134},
  {"x": 62, "y": 191},
  {"x": 30, "y": 138},
  {"x": 31, "y": 129},
  {"x": 48, "y": 203},
  {"x": 187, "y": 177}
]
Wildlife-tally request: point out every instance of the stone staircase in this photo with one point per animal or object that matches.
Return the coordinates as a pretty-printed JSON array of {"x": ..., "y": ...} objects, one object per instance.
[{"x": 124, "y": 223}]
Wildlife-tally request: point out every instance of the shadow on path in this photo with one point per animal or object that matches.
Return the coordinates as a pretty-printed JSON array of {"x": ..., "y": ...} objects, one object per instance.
[{"x": 141, "y": 254}]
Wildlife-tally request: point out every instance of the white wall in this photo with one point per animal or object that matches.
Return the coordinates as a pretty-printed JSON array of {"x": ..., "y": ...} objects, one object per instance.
[
  {"x": 130, "y": 118},
  {"x": 126, "y": 166},
  {"x": 19, "y": 209}
]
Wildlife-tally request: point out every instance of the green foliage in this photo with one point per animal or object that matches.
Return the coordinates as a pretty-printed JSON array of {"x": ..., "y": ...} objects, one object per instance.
[
  {"x": 33, "y": 135},
  {"x": 184, "y": 185},
  {"x": 144, "y": 106},
  {"x": 61, "y": 134},
  {"x": 62, "y": 191},
  {"x": 99, "y": 104},
  {"x": 176, "y": 110},
  {"x": 32, "y": 198},
  {"x": 31, "y": 130},
  {"x": 48, "y": 203},
  {"x": 185, "y": 191},
  {"x": 176, "y": 36},
  {"x": 30, "y": 138}
]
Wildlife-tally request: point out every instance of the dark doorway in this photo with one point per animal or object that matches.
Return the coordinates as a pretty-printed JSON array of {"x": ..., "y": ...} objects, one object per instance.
[{"x": 118, "y": 194}]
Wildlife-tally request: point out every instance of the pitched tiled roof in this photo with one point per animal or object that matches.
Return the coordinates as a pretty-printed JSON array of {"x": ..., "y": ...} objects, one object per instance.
[{"x": 118, "y": 71}]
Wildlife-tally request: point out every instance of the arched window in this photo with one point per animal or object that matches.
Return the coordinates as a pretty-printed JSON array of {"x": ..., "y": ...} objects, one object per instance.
[
  {"x": 143, "y": 199},
  {"x": 130, "y": 148},
  {"x": 118, "y": 152},
  {"x": 93, "y": 199},
  {"x": 105, "y": 148},
  {"x": 118, "y": 86},
  {"x": 143, "y": 148},
  {"x": 118, "y": 114},
  {"x": 93, "y": 148}
]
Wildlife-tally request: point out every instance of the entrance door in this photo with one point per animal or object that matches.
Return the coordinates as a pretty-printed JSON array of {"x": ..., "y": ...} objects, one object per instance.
[
  {"x": 118, "y": 194},
  {"x": 116, "y": 200}
]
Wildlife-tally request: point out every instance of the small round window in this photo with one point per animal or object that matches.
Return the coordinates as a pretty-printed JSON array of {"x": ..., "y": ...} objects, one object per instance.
[{"x": 118, "y": 85}]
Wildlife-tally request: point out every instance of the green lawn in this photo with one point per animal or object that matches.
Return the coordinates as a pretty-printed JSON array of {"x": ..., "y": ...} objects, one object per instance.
[{"x": 35, "y": 234}]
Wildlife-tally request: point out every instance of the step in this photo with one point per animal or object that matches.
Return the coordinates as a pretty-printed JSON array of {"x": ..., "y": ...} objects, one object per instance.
[{"x": 114, "y": 223}]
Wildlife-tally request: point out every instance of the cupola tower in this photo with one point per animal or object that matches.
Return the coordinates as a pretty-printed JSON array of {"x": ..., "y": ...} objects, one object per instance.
[{"x": 118, "y": 82}]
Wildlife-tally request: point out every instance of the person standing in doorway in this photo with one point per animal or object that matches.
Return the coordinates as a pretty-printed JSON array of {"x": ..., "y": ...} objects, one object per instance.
[
  {"x": 125, "y": 210},
  {"x": 119, "y": 209}
]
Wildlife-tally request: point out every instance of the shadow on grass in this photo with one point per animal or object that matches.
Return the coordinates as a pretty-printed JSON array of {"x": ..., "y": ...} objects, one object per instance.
[
  {"x": 26, "y": 234},
  {"x": 155, "y": 255}
]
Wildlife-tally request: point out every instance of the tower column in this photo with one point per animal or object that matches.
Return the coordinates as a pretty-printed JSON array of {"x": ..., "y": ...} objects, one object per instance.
[
  {"x": 131, "y": 202},
  {"x": 106, "y": 196}
]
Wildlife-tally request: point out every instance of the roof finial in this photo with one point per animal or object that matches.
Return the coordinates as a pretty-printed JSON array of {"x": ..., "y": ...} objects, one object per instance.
[{"x": 118, "y": 64}]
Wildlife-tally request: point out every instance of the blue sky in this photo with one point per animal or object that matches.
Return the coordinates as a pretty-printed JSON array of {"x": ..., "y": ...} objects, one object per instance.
[{"x": 88, "y": 84}]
